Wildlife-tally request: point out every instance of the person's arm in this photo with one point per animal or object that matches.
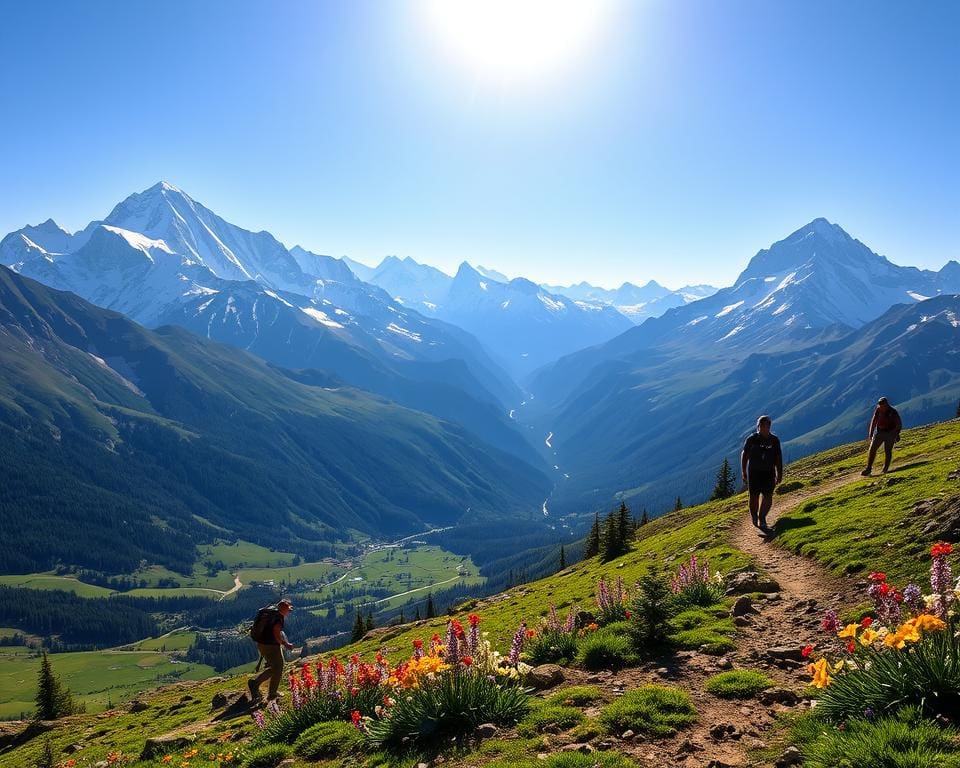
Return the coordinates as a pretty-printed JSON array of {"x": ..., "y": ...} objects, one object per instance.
[
  {"x": 743, "y": 463},
  {"x": 898, "y": 424},
  {"x": 779, "y": 478},
  {"x": 278, "y": 636},
  {"x": 873, "y": 423}
]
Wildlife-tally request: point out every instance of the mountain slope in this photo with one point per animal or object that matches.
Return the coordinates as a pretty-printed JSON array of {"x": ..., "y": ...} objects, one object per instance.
[
  {"x": 161, "y": 257},
  {"x": 654, "y": 425},
  {"x": 146, "y": 442}
]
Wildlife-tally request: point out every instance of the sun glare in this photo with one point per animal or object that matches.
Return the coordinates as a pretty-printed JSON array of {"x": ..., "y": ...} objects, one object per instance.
[{"x": 512, "y": 40}]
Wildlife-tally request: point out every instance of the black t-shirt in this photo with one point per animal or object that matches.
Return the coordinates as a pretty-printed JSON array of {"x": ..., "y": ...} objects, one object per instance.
[{"x": 763, "y": 453}]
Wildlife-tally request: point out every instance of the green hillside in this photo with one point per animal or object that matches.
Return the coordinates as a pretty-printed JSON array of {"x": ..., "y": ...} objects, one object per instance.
[
  {"x": 140, "y": 444},
  {"x": 699, "y": 694}
]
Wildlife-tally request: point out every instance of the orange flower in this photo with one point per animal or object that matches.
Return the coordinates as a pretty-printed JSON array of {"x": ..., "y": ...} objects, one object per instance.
[
  {"x": 531, "y": 633},
  {"x": 941, "y": 549},
  {"x": 849, "y": 631},
  {"x": 820, "y": 672}
]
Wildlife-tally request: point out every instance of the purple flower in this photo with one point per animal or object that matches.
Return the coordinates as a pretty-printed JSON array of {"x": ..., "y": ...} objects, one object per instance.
[
  {"x": 453, "y": 646},
  {"x": 913, "y": 598},
  {"x": 259, "y": 719},
  {"x": 831, "y": 622},
  {"x": 941, "y": 582},
  {"x": 517, "y": 646}
]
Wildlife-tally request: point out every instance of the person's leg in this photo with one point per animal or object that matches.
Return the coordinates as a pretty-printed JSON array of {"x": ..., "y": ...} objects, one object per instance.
[
  {"x": 887, "y": 450},
  {"x": 275, "y": 660},
  {"x": 272, "y": 657},
  {"x": 765, "y": 504},
  {"x": 754, "y": 506},
  {"x": 874, "y": 444}
]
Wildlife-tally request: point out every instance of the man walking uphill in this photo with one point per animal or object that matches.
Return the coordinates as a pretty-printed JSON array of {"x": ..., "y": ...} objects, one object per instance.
[
  {"x": 884, "y": 430},
  {"x": 761, "y": 466},
  {"x": 268, "y": 633}
]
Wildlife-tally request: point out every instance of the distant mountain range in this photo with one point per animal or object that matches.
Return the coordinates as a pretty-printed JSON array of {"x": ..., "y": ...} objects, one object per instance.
[
  {"x": 813, "y": 330},
  {"x": 522, "y": 324},
  {"x": 121, "y": 444},
  {"x": 636, "y": 302}
]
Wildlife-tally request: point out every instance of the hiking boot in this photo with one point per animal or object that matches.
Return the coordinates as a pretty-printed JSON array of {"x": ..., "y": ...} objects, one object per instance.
[
  {"x": 866, "y": 473},
  {"x": 764, "y": 527},
  {"x": 254, "y": 691}
]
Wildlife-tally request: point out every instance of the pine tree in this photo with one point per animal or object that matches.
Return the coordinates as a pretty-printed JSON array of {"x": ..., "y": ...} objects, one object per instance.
[
  {"x": 958, "y": 410},
  {"x": 563, "y": 558},
  {"x": 53, "y": 700},
  {"x": 431, "y": 611},
  {"x": 625, "y": 523},
  {"x": 612, "y": 545},
  {"x": 677, "y": 505},
  {"x": 369, "y": 624},
  {"x": 359, "y": 628},
  {"x": 417, "y": 617},
  {"x": 643, "y": 518},
  {"x": 592, "y": 547},
  {"x": 402, "y": 620},
  {"x": 724, "y": 487}
]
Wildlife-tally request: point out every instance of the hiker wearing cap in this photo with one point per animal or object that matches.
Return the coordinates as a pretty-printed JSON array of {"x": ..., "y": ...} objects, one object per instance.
[
  {"x": 761, "y": 466},
  {"x": 270, "y": 642},
  {"x": 884, "y": 429}
]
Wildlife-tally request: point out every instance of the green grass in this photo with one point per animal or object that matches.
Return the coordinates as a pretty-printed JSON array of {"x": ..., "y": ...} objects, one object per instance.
[
  {"x": 738, "y": 684},
  {"x": 652, "y": 710},
  {"x": 46, "y": 581},
  {"x": 708, "y": 628},
  {"x": 869, "y": 524},
  {"x": 545, "y": 715},
  {"x": 97, "y": 678},
  {"x": 904, "y": 741},
  {"x": 576, "y": 696},
  {"x": 175, "y": 641},
  {"x": 244, "y": 553}
]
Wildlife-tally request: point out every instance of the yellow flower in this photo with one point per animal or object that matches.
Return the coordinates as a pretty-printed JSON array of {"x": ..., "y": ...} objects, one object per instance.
[
  {"x": 849, "y": 631},
  {"x": 927, "y": 623},
  {"x": 894, "y": 640},
  {"x": 868, "y": 636},
  {"x": 820, "y": 672}
]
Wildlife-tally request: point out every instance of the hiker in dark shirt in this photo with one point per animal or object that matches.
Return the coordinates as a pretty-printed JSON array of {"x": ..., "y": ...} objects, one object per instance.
[
  {"x": 884, "y": 430},
  {"x": 761, "y": 466},
  {"x": 271, "y": 646}
]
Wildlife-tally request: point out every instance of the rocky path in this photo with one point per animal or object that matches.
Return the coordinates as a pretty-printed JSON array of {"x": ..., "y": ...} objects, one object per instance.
[{"x": 771, "y": 633}]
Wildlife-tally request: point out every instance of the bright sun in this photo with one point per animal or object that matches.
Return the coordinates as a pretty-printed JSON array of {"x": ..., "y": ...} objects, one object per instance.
[{"x": 509, "y": 40}]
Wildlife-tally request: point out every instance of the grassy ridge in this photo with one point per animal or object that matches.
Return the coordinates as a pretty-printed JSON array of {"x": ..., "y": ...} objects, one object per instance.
[{"x": 867, "y": 523}]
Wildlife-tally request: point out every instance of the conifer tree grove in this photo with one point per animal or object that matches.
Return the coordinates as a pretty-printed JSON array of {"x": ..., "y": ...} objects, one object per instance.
[
  {"x": 431, "y": 611},
  {"x": 677, "y": 505},
  {"x": 563, "y": 558},
  {"x": 592, "y": 547},
  {"x": 359, "y": 628},
  {"x": 724, "y": 487},
  {"x": 53, "y": 699},
  {"x": 644, "y": 519}
]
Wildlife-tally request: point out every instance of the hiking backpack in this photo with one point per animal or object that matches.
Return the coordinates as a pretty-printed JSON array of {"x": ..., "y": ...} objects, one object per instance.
[{"x": 261, "y": 631}]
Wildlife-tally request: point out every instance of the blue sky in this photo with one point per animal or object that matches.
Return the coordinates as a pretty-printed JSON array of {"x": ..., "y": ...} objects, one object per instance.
[{"x": 687, "y": 136}]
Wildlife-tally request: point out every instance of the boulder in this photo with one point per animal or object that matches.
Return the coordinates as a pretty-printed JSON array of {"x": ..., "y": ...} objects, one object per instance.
[
  {"x": 161, "y": 745},
  {"x": 785, "y": 652},
  {"x": 545, "y": 676},
  {"x": 137, "y": 706},
  {"x": 486, "y": 731},
  {"x": 791, "y": 756},
  {"x": 750, "y": 581},
  {"x": 584, "y": 749},
  {"x": 743, "y": 606},
  {"x": 779, "y": 696},
  {"x": 225, "y": 699}
]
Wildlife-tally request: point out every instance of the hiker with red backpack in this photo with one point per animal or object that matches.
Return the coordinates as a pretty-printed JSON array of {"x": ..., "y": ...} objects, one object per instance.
[
  {"x": 267, "y": 632},
  {"x": 884, "y": 430}
]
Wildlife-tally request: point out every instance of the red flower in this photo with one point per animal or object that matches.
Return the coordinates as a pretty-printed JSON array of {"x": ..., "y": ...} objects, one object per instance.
[
  {"x": 884, "y": 589},
  {"x": 418, "y": 644},
  {"x": 942, "y": 549},
  {"x": 473, "y": 619},
  {"x": 627, "y": 614},
  {"x": 867, "y": 621},
  {"x": 877, "y": 576},
  {"x": 807, "y": 650},
  {"x": 851, "y": 647},
  {"x": 466, "y": 660},
  {"x": 531, "y": 633},
  {"x": 355, "y": 718},
  {"x": 457, "y": 627}
]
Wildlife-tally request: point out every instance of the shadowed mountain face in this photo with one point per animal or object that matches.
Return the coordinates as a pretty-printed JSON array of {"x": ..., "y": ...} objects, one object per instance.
[
  {"x": 142, "y": 443},
  {"x": 812, "y": 332},
  {"x": 160, "y": 257}
]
